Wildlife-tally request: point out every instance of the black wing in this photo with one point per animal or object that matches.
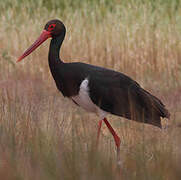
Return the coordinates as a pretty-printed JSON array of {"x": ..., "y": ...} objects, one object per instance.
[{"x": 128, "y": 100}]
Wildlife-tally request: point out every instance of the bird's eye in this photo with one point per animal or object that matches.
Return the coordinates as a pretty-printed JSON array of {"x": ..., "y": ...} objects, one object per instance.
[{"x": 51, "y": 27}]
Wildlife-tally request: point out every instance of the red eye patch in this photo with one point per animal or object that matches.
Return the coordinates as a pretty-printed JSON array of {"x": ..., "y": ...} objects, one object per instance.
[{"x": 51, "y": 27}]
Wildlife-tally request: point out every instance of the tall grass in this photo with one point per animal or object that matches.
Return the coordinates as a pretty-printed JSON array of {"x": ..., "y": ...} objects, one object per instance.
[{"x": 43, "y": 135}]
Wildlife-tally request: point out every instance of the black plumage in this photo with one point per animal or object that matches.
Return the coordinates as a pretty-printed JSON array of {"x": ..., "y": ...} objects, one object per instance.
[{"x": 112, "y": 91}]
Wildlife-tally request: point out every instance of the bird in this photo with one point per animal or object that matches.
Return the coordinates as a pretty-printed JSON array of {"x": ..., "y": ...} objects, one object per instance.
[{"x": 97, "y": 89}]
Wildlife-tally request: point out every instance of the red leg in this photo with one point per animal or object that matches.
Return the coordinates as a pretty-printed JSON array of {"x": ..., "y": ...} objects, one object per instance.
[
  {"x": 98, "y": 131},
  {"x": 116, "y": 139}
]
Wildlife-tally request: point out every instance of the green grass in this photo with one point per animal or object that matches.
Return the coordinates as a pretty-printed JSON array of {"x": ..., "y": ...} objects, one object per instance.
[{"x": 43, "y": 135}]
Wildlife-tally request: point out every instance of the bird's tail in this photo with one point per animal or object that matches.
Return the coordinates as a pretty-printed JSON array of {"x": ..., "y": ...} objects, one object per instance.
[
  {"x": 157, "y": 105},
  {"x": 153, "y": 108}
]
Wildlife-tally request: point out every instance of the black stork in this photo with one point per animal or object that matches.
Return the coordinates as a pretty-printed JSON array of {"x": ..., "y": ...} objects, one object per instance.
[{"x": 97, "y": 89}]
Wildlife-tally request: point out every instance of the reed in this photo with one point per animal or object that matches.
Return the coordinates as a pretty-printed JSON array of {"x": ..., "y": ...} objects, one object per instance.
[{"x": 43, "y": 135}]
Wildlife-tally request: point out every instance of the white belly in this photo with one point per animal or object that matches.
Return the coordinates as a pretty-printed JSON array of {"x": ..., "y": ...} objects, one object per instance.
[{"x": 83, "y": 100}]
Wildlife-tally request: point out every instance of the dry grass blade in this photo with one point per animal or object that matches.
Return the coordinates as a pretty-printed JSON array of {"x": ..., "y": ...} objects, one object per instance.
[{"x": 43, "y": 135}]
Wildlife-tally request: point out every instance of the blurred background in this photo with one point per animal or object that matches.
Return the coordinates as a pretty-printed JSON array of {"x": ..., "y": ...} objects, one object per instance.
[{"x": 45, "y": 136}]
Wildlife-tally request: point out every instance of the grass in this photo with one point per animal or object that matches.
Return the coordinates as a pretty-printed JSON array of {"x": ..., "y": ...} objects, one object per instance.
[{"x": 43, "y": 135}]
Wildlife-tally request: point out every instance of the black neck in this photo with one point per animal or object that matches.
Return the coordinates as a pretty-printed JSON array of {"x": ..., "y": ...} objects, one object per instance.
[{"x": 54, "y": 49}]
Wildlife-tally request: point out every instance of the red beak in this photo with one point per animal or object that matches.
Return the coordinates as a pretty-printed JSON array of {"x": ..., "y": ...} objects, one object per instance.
[{"x": 43, "y": 37}]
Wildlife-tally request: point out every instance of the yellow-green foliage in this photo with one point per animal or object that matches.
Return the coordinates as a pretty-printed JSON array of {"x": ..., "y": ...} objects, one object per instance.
[{"x": 43, "y": 135}]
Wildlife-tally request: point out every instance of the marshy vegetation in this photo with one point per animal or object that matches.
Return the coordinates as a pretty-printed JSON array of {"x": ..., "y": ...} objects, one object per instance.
[{"x": 43, "y": 135}]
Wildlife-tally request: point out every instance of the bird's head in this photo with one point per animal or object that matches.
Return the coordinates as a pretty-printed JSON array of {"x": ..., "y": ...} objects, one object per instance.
[
  {"x": 52, "y": 29},
  {"x": 55, "y": 28}
]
